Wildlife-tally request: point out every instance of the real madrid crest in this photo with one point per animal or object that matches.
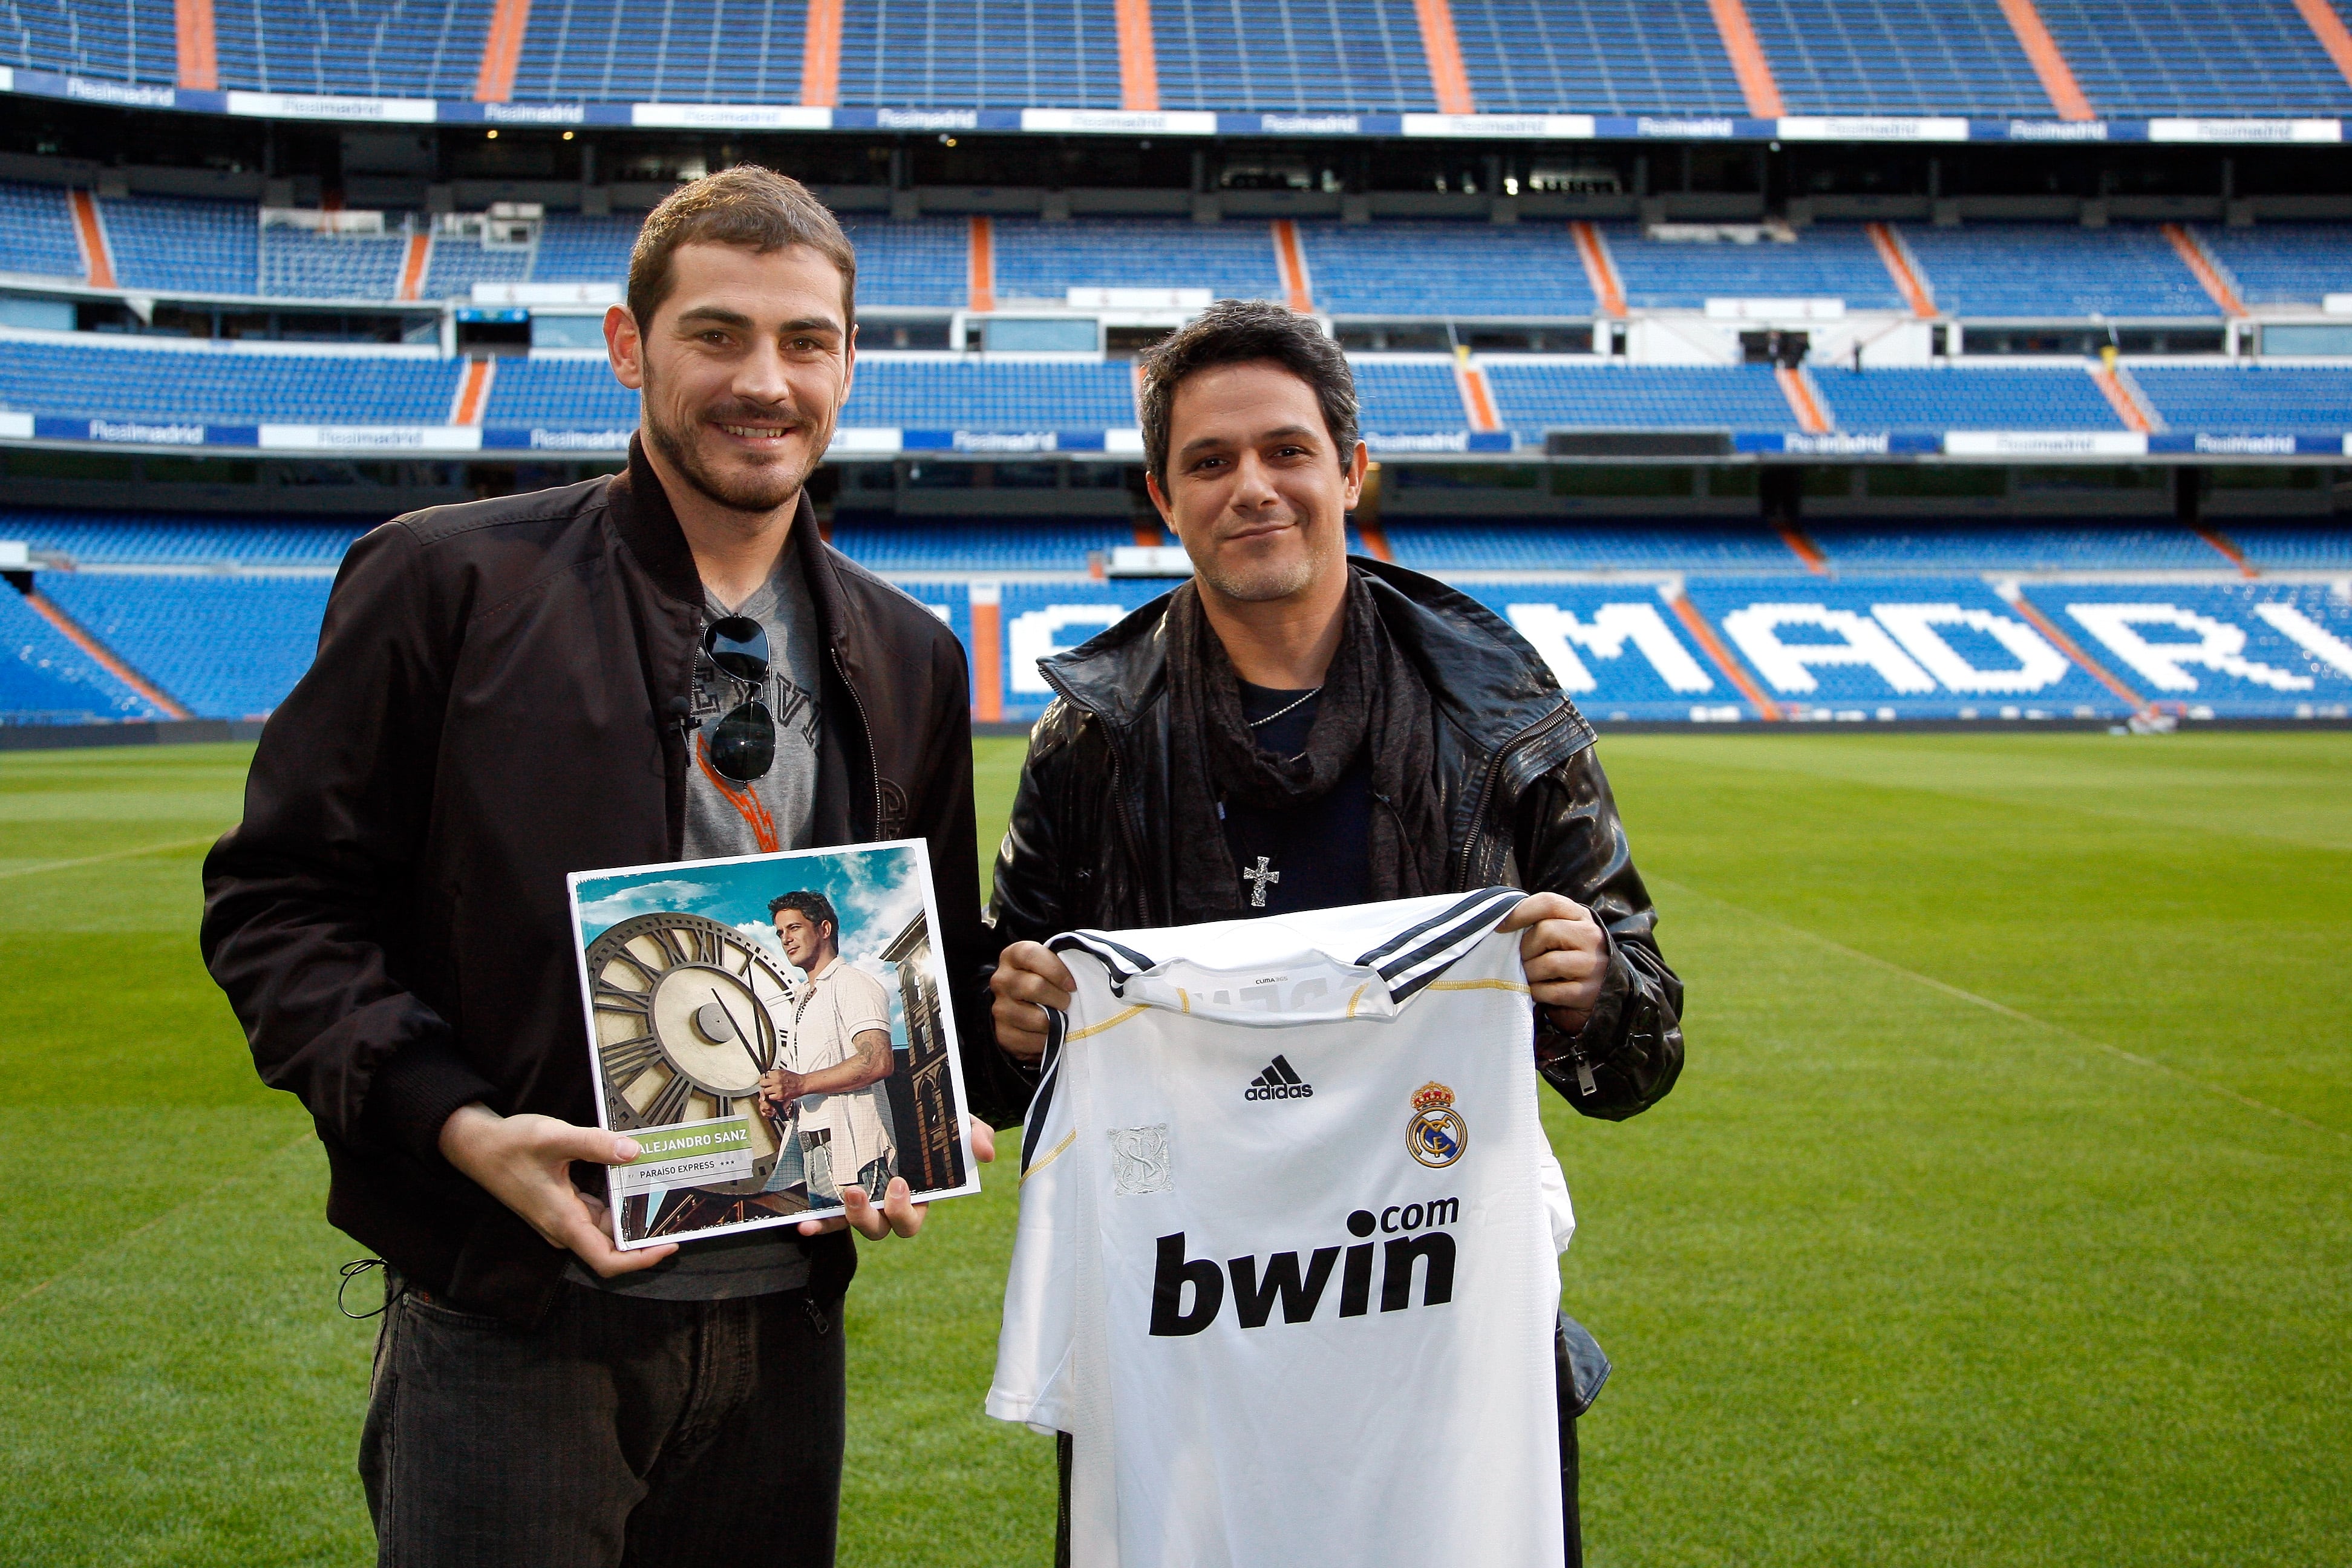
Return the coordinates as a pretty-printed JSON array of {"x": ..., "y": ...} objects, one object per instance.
[{"x": 1435, "y": 1134}]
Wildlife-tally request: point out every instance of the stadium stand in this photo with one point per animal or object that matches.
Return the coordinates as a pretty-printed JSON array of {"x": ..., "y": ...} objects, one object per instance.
[
  {"x": 1438, "y": 268},
  {"x": 907, "y": 544},
  {"x": 2255, "y": 400},
  {"x": 227, "y": 647},
  {"x": 149, "y": 539},
  {"x": 131, "y": 40},
  {"x": 168, "y": 242},
  {"x": 1972, "y": 398},
  {"x": 2049, "y": 271},
  {"x": 1038, "y": 260},
  {"x": 571, "y": 392},
  {"x": 1547, "y": 545},
  {"x": 2230, "y": 650},
  {"x": 1346, "y": 57},
  {"x": 1608, "y": 57},
  {"x": 574, "y": 249},
  {"x": 407, "y": 49},
  {"x": 1007, "y": 54},
  {"x": 661, "y": 51},
  {"x": 2137, "y": 58},
  {"x": 1534, "y": 396},
  {"x": 2283, "y": 263},
  {"x": 301, "y": 265},
  {"x": 45, "y": 678},
  {"x": 922, "y": 262},
  {"x": 2292, "y": 547},
  {"x": 458, "y": 263},
  {"x": 225, "y": 386},
  {"x": 1833, "y": 261},
  {"x": 1932, "y": 547},
  {"x": 943, "y": 392},
  {"x": 1408, "y": 396},
  {"x": 36, "y": 232},
  {"x": 1897, "y": 56}
]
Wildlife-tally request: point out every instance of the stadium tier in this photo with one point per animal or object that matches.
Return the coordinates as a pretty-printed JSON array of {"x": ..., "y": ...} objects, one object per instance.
[
  {"x": 226, "y": 384},
  {"x": 1959, "y": 58},
  {"x": 2044, "y": 271},
  {"x": 2246, "y": 402},
  {"x": 1703, "y": 620},
  {"x": 1536, "y": 396},
  {"x": 1977, "y": 398}
]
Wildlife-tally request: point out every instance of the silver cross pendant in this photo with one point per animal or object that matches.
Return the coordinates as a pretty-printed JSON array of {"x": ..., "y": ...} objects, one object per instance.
[{"x": 1257, "y": 877}]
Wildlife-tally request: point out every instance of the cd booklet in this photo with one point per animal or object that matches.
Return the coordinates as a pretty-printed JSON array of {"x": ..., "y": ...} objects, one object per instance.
[{"x": 770, "y": 1029}]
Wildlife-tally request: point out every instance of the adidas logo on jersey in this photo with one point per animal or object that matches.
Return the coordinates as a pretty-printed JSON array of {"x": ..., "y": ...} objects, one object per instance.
[{"x": 1280, "y": 1080}]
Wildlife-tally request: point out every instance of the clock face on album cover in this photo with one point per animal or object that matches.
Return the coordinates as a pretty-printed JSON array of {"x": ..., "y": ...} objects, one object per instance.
[{"x": 683, "y": 1029}]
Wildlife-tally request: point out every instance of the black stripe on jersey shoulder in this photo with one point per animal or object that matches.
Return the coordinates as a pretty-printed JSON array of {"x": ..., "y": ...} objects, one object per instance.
[
  {"x": 1477, "y": 914},
  {"x": 1123, "y": 962},
  {"x": 1058, "y": 1025}
]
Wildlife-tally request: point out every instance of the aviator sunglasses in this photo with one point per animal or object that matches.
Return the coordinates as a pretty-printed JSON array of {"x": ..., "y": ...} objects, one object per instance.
[{"x": 743, "y": 747}]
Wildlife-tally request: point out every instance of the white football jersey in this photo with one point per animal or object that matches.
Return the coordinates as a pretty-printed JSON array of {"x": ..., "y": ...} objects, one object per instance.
[{"x": 1287, "y": 1258}]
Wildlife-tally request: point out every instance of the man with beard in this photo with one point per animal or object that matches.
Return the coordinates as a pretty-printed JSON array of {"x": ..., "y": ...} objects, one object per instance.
[
  {"x": 1294, "y": 728},
  {"x": 667, "y": 664}
]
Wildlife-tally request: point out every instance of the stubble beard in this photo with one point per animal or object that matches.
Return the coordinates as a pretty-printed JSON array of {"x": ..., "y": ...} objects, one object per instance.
[
  {"x": 757, "y": 493},
  {"x": 1260, "y": 582}
]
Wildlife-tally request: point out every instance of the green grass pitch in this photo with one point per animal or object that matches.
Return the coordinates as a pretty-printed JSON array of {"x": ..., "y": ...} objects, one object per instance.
[{"x": 1999, "y": 1217}]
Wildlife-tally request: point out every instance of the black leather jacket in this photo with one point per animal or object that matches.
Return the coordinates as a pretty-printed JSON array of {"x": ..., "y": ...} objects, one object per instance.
[{"x": 1525, "y": 804}]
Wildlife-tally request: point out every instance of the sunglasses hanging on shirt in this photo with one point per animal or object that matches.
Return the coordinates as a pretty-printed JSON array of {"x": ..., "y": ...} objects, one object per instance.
[{"x": 743, "y": 746}]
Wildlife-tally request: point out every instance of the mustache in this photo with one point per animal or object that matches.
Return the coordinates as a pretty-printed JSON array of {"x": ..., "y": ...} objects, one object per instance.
[{"x": 750, "y": 413}]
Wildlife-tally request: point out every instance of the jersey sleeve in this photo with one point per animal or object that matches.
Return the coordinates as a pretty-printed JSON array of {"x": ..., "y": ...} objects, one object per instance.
[
  {"x": 1032, "y": 1349},
  {"x": 864, "y": 1004},
  {"x": 1553, "y": 1184}
]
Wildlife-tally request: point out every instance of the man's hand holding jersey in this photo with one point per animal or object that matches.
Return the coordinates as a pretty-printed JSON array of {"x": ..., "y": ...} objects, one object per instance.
[{"x": 1564, "y": 950}]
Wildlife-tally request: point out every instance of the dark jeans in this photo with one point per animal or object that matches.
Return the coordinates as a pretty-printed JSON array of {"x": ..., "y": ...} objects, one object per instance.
[{"x": 618, "y": 1432}]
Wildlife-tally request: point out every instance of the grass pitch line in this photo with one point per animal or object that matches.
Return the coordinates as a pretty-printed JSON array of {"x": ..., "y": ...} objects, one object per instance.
[
  {"x": 184, "y": 1203},
  {"x": 111, "y": 855},
  {"x": 2003, "y": 1008}
]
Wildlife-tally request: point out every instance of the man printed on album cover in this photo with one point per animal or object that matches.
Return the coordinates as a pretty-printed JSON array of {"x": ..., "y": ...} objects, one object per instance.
[{"x": 830, "y": 1101}]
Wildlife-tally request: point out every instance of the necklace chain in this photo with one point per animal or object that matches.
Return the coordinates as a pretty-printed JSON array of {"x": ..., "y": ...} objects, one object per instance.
[{"x": 1255, "y": 723}]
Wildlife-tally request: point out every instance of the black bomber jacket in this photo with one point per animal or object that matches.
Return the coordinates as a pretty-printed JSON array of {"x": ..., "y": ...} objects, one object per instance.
[
  {"x": 1525, "y": 804},
  {"x": 496, "y": 701}
]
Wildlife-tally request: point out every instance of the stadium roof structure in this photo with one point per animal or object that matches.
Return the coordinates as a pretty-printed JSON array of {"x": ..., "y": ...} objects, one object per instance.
[{"x": 2214, "y": 71}]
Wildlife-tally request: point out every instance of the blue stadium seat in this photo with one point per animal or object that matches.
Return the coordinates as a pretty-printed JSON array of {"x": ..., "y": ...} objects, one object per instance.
[
  {"x": 1938, "y": 547},
  {"x": 1606, "y": 57},
  {"x": 1897, "y": 56},
  {"x": 560, "y": 393},
  {"x": 167, "y": 242},
  {"x": 227, "y": 647},
  {"x": 2256, "y": 400},
  {"x": 1541, "y": 395},
  {"x": 658, "y": 51},
  {"x": 1408, "y": 396},
  {"x": 920, "y": 262},
  {"x": 298, "y": 264},
  {"x": 2290, "y": 546},
  {"x": 37, "y": 232},
  {"x": 915, "y": 545},
  {"x": 1833, "y": 261},
  {"x": 574, "y": 249},
  {"x": 2040, "y": 271},
  {"x": 222, "y": 386},
  {"x": 2240, "y": 650},
  {"x": 152, "y": 539},
  {"x": 457, "y": 264},
  {"x": 920, "y": 392},
  {"x": 1945, "y": 398},
  {"x": 2283, "y": 263},
  {"x": 2228, "y": 57},
  {"x": 129, "y": 41},
  {"x": 1440, "y": 268},
  {"x": 1533, "y": 544},
  {"x": 413, "y": 48},
  {"x": 45, "y": 678},
  {"x": 1345, "y": 56},
  {"x": 1038, "y": 260},
  {"x": 919, "y": 54}
]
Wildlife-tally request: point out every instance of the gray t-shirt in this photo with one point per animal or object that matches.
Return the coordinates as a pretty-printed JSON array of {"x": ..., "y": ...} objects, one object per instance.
[{"x": 776, "y": 811}]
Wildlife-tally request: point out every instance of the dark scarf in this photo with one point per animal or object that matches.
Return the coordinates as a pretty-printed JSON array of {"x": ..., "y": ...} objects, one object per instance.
[{"x": 1371, "y": 696}]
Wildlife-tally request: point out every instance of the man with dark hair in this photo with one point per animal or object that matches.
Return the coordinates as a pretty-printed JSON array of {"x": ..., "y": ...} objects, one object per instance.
[
  {"x": 1295, "y": 728},
  {"x": 828, "y": 1095},
  {"x": 666, "y": 664}
]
